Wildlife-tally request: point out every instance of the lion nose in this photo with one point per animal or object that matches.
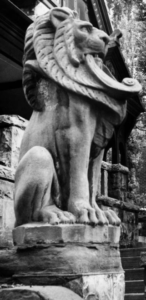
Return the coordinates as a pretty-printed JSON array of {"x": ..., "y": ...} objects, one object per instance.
[{"x": 105, "y": 39}]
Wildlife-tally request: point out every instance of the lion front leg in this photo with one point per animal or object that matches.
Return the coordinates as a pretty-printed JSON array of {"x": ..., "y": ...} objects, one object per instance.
[
  {"x": 107, "y": 216},
  {"x": 37, "y": 190},
  {"x": 74, "y": 161}
]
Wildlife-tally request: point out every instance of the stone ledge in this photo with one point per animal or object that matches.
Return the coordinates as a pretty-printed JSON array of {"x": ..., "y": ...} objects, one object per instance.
[
  {"x": 36, "y": 234},
  {"x": 13, "y": 120},
  {"x": 7, "y": 173},
  {"x": 114, "y": 167}
]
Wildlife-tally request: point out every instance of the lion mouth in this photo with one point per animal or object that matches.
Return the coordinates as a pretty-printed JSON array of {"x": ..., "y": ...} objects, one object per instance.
[
  {"x": 100, "y": 55},
  {"x": 108, "y": 83},
  {"x": 97, "y": 55},
  {"x": 98, "y": 58}
]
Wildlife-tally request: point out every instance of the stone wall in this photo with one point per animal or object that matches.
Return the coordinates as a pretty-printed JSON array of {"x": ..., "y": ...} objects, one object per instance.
[{"x": 11, "y": 132}]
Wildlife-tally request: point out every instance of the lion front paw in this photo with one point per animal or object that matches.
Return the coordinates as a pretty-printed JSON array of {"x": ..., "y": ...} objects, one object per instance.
[
  {"x": 53, "y": 215},
  {"x": 109, "y": 215},
  {"x": 85, "y": 214},
  {"x": 112, "y": 217}
]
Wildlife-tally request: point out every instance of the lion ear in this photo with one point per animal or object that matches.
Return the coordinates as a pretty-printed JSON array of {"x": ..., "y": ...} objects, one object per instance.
[{"x": 58, "y": 15}]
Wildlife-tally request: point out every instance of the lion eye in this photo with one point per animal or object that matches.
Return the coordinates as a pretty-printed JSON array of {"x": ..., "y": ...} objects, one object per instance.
[{"x": 86, "y": 29}]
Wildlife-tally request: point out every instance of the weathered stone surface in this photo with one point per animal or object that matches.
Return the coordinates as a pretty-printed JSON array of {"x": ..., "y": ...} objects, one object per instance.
[
  {"x": 7, "y": 173},
  {"x": 29, "y": 235},
  {"x": 114, "y": 167},
  {"x": 13, "y": 120},
  {"x": 7, "y": 220},
  {"x": 125, "y": 206},
  {"x": 38, "y": 293},
  {"x": 114, "y": 234},
  {"x": 39, "y": 233},
  {"x": 7, "y": 216},
  {"x": 6, "y": 190},
  {"x": 108, "y": 286},
  {"x": 11, "y": 133},
  {"x": 60, "y": 260},
  {"x": 114, "y": 180},
  {"x": 6, "y": 240},
  {"x": 117, "y": 185}
]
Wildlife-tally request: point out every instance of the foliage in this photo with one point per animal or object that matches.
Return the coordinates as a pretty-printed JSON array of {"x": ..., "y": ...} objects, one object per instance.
[{"x": 130, "y": 17}]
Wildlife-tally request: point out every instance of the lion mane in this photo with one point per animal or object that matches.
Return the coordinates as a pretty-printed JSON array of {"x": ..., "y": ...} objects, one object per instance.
[{"x": 59, "y": 46}]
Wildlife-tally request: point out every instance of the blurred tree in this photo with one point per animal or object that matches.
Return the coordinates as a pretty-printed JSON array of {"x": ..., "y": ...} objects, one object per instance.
[{"x": 130, "y": 17}]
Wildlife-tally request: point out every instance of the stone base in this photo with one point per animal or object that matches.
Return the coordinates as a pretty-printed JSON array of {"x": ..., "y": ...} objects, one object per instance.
[
  {"x": 36, "y": 234},
  {"x": 84, "y": 259}
]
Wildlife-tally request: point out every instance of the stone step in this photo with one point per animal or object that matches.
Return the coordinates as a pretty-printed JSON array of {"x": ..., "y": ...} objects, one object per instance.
[
  {"x": 134, "y": 286},
  {"x": 134, "y": 297},
  {"x": 132, "y": 252},
  {"x": 134, "y": 274},
  {"x": 131, "y": 262}
]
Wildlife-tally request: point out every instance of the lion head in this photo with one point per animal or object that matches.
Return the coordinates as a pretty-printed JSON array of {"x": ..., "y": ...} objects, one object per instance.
[{"x": 59, "y": 46}]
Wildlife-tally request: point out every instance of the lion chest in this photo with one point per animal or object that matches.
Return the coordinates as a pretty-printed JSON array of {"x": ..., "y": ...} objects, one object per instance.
[{"x": 74, "y": 118}]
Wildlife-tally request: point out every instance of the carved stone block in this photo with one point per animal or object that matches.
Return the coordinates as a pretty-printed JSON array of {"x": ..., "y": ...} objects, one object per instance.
[{"x": 29, "y": 235}]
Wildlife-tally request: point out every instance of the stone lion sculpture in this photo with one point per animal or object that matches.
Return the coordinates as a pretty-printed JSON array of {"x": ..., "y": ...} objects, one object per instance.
[{"x": 76, "y": 104}]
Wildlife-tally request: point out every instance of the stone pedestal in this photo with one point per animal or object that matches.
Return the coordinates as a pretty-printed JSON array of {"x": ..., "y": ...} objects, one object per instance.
[{"x": 79, "y": 257}]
